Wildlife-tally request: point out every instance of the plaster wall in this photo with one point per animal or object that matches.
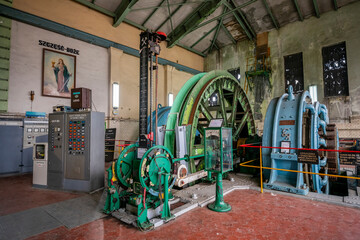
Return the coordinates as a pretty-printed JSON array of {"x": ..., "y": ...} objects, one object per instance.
[
  {"x": 26, "y": 70},
  {"x": 308, "y": 37},
  {"x": 80, "y": 17}
]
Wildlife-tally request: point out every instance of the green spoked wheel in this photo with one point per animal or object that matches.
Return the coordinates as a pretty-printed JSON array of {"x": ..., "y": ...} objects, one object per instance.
[
  {"x": 154, "y": 164},
  {"x": 124, "y": 165},
  {"x": 216, "y": 94}
]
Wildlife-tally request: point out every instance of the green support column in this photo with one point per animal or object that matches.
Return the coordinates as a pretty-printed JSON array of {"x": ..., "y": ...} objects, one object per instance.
[
  {"x": 219, "y": 205},
  {"x": 166, "y": 214}
]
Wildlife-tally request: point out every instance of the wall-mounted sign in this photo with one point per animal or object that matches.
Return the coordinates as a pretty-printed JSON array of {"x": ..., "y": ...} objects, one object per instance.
[
  {"x": 59, "y": 47},
  {"x": 308, "y": 156},
  {"x": 347, "y": 158}
]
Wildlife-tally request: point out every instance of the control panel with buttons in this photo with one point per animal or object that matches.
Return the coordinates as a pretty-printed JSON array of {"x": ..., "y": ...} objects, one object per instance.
[{"x": 76, "y": 137}]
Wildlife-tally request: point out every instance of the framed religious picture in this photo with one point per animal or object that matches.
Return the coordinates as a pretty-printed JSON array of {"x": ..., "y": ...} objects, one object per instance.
[{"x": 58, "y": 74}]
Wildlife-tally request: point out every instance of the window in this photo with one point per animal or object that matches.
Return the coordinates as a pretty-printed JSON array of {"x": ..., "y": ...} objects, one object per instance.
[
  {"x": 294, "y": 75},
  {"x": 115, "y": 95},
  {"x": 236, "y": 73},
  {"x": 170, "y": 99},
  {"x": 335, "y": 70}
]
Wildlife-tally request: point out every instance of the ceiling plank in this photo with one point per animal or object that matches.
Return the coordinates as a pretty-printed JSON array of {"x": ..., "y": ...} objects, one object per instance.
[
  {"x": 244, "y": 19},
  {"x": 204, "y": 36},
  {"x": 172, "y": 14},
  {"x": 316, "y": 7},
  {"x": 172, "y": 4},
  {"x": 271, "y": 14},
  {"x": 152, "y": 13},
  {"x": 239, "y": 21},
  {"x": 299, "y": 10},
  {"x": 122, "y": 10},
  {"x": 221, "y": 15},
  {"x": 228, "y": 34},
  {"x": 193, "y": 20},
  {"x": 95, "y": 7},
  {"x": 336, "y": 5}
]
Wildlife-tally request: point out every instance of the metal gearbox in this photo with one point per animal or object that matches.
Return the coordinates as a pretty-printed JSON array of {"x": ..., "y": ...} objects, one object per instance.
[{"x": 293, "y": 121}]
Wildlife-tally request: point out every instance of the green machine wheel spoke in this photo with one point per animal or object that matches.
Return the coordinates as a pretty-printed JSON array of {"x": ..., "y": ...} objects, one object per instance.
[{"x": 222, "y": 102}]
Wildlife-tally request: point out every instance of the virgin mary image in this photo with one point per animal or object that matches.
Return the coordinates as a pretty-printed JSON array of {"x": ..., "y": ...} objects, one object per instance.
[{"x": 62, "y": 76}]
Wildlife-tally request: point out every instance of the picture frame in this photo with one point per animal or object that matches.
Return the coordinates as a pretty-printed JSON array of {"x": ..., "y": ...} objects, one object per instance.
[{"x": 58, "y": 73}]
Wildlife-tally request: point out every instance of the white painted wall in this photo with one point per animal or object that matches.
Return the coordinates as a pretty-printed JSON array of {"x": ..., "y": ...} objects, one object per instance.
[{"x": 92, "y": 69}]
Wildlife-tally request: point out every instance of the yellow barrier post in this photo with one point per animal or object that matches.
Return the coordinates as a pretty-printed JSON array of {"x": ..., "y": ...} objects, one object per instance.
[{"x": 261, "y": 177}]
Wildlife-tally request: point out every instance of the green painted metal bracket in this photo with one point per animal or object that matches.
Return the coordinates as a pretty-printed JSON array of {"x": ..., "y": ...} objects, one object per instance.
[
  {"x": 193, "y": 20},
  {"x": 168, "y": 18},
  {"x": 271, "y": 15},
  {"x": 316, "y": 7},
  {"x": 228, "y": 34},
  {"x": 122, "y": 10},
  {"x": 238, "y": 19},
  {"x": 191, "y": 49},
  {"x": 217, "y": 30},
  {"x": 335, "y": 5},
  {"x": 168, "y": 7},
  {"x": 204, "y": 36},
  {"x": 132, "y": 23},
  {"x": 244, "y": 19},
  {"x": 298, "y": 10},
  {"x": 221, "y": 15},
  {"x": 28, "y": 18},
  {"x": 152, "y": 13}
]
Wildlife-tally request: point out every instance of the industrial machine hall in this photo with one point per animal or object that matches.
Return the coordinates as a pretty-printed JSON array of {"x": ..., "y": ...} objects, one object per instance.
[{"x": 179, "y": 119}]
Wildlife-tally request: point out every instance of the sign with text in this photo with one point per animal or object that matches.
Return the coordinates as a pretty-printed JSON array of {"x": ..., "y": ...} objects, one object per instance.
[
  {"x": 347, "y": 158},
  {"x": 308, "y": 156},
  {"x": 59, "y": 47}
]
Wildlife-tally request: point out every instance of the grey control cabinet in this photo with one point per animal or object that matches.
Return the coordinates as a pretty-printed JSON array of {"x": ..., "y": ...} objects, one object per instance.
[
  {"x": 55, "y": 176},
  {"x": 33, "y": 129},
  {"x": 76, "y": 151},
  {"x": 11, "y": 132}
]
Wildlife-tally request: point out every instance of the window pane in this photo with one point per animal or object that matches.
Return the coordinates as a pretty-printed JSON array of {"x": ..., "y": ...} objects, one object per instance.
[
  {"x": 335, "y": 70},
  {"x": 294, "y": 72},
  {"x": 236, "y": 73}
]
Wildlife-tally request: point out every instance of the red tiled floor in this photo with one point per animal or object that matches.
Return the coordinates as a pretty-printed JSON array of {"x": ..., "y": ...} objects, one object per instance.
[
  {"x": 253, "y": 216},
  {"x": 17, "y": 194}
]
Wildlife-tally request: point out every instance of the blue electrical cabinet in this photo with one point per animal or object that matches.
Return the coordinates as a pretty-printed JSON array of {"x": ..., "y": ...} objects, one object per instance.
[{"x": 11, "y": 133}]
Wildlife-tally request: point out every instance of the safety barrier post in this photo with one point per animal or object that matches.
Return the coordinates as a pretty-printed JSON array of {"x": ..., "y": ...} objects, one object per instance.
[{"x": 261, "y": 176}]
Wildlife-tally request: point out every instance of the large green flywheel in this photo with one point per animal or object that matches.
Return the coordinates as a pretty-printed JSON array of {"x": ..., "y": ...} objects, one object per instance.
[{"x": 204, "y": 97}]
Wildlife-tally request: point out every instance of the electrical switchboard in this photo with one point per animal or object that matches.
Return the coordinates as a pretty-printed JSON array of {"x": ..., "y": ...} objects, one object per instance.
[
  {"x": 76, "y": 151},
  {"x": 11, "y": 131},
  {"x": 55, "y": 150},
  {"x": 33, "y": 128}
]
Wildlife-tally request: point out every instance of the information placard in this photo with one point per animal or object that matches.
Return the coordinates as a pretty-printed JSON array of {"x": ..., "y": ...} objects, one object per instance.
[
  {"x": 308, "y": 156},
  {"x": 347, "y": 158}
]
